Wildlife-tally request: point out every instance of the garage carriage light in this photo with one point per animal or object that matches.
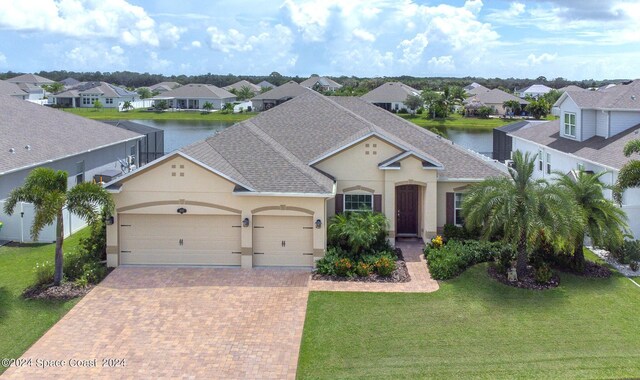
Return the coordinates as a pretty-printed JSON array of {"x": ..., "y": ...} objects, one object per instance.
[
  {"x": 109, "y": 221},
  {"x": 318, "y": 223},
  {"x": 245, "y": 222},
  {"x": 182, "y": 210}
]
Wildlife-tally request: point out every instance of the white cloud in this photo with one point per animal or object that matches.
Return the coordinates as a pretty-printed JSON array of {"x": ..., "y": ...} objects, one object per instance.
[
  {"x": 3, "y": 60},
  {"x": 515, "y": 9},
  {"x": 156, "y": 63},
  {"x": 442, "y": 64},
  {"x": 169, "y": 35},
  {"x": 95, "y": 56},
  {"x": 115, "y": 19},
  {"x": 364, "y": 35},
  {"x": 310, "y": 17},
  {"x": 413, "y": 49},
  {"x": 117, "y": 50},
  {"x": 196, "y": 44},
  {"x": 532, "y": 60}
]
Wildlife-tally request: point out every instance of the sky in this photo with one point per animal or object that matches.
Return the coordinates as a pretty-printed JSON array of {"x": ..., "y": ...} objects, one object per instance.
[{"x": 573, "y": 39}]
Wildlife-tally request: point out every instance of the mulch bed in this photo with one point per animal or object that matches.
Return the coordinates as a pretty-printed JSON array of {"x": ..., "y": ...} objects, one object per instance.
[
  {"x": 526, "y": 282},
  {"x": 401, "y": 274},
  {"x": 591, "y": 270},
  {"x": 65, "y": 291}
]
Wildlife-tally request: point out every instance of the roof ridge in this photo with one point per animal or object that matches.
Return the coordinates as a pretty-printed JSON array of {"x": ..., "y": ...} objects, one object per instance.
[{"x": 246, "y": 181}]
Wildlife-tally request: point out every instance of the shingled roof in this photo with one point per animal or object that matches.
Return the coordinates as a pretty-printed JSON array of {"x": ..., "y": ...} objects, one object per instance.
[
  {"x": 11, "y": 89},
  {"x": 49, "y": 134},
  {"x": 390, "y": 92},
  {"x": 103, "y": 88},
  {"x": 197, "y": 90},
  {"x": 495, "y": 96},
  {"x": 620, "y": 97},
  {"x": 605, "y": 151},
  {"x": 288, "y": 90},
  {"x": 323, "y": 81},
  {"x": 243, "y": 83},
  {"x": 30, "y": 78}
]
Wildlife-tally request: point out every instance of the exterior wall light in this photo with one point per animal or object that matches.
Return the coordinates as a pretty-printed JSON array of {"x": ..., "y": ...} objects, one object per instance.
[
  {"x": 182, "y": 210},
  {"x": 318, "y": 223},
  {"x": 245, "y": 222},
  {"x": 109, "y": 221}
]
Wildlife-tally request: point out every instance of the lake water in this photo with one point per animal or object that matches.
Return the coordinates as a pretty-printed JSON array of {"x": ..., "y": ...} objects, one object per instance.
[{"x": 178, "y": 133}]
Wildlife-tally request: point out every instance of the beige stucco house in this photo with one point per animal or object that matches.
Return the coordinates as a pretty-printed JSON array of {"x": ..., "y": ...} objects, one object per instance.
[{"x": 260, "y": 192}]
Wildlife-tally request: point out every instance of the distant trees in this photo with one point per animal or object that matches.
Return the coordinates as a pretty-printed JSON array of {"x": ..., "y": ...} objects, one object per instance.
[{"x": 413, "y": 102}]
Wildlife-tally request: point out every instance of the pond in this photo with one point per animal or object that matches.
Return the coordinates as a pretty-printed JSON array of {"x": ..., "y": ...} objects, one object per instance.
[{"x": 179, "y": 133}]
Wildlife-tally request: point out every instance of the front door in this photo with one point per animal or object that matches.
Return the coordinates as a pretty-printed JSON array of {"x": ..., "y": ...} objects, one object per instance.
[{"x": 407, "y": 210}]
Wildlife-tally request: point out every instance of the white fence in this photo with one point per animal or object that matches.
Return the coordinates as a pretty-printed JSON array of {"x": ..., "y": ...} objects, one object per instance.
[
  {"x": 17, "y": 227},
  {"x": 143, "y": 103},
  {"x": 38, "y": 101}
]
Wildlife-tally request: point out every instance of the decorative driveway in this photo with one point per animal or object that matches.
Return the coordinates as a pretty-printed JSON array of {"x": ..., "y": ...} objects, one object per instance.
[{"x": 178, "y": 323}]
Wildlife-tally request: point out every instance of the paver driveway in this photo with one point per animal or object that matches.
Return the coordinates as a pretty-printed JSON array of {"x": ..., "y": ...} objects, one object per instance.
[{"x": 182, "y": 323}]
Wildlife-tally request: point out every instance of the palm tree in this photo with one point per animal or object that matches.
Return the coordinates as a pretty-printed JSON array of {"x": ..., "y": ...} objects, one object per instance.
[
  {"x": 512, "y": 105},
  {"x": 521, "y": 208},
  {"x": 207, "y": 106},
  {"x": 126, "y": 106},
  {"x": 629, "y": 175},
  {"x": 602, "y": 219},
  {"x": 245, "y": 93},
  {"x": 47, "y": 190}
]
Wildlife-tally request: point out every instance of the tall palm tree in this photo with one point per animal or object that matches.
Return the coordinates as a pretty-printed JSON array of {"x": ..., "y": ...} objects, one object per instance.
[
  {"x": 602, "y": 219},
  {"x": 521, "y": 208},
  {"x": 629, "y": 175},
  {"x": 245, "y": 93},
  {"x": 47, "y": 190}
]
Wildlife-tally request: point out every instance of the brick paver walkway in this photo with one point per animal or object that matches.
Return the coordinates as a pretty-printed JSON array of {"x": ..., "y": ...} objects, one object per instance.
[
  {"x": 180, "y": 323},
  {"x": 421, "y": 281}
]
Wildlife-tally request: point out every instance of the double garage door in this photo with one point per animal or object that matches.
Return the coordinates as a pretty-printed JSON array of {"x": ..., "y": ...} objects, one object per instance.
[{"x": 213, "y": 240}]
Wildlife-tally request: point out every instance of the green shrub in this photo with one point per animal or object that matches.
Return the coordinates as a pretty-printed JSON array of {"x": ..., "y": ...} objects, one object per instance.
[
  {"x": 82, "y": 282},
  {"x": 94, "y": 272},
  {"x": 420, "y": 111},
  {"x": 343, "y": 267},
  {"x": 543, "y": 273},
  {"x": 504, "y": 258},
  {"x": 456, "y": 256},
  {"x": 363, "y": 269},
  {"x": 634, "y": 266},
  {"x": 326, "y": 265},
  {"x": 385, "y": 266},
  {"x": 453, "y": 232},
  {"x": 44, "y": 273},
  {"x": 358, "y": 233},
  {"x": 626, "y": 253}
]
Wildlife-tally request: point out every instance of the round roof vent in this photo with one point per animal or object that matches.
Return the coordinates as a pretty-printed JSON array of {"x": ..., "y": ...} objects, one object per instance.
[{"x": 12, "y": 150}]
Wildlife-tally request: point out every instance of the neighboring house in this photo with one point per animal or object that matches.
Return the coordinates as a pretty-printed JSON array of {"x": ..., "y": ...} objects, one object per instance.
[
  {"x": 243, "y": 83},
  {"x": 85, "y": 94},
  {"x": 12, "y": 89},
  {"x": 36, "y": 136},
  {"x": 390, "y": 96},
  {"x": 534, "y": 91},
  {"x": 265, "y": 84},
  {"x": 322, "y": 83},
  {"x": 503, "y": 142},
  {"x": 32, "y": 85},
  {"x": 590, "y": 135},
  {"x": 260, "y": 193},
  {"x": 474, "y": 88},
  {"x": 276, "y": 96},
  {"x": 494, "y": 99},
  {"x": 70, "y": 82},
  {"x": 194, "y": 96},
  {"x": 164, "y": 87},
  {"x": 571, "y": 87},
  {"x": 150, "y": 146}
]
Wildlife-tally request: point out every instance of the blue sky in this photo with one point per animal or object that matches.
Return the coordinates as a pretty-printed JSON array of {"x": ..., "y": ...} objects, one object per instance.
[{"x": 574, "y": 39}]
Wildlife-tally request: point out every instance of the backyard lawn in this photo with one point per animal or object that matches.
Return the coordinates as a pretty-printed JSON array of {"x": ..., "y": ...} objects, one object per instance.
[
  {"x": 139, "y": 114},
  {"x": 456, "y": 121},
  {"x": 22, "y": 322},
  {"x": 475, "y": 327}
]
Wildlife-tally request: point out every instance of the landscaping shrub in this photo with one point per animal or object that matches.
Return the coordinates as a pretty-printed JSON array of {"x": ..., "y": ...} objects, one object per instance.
[
  {"x": 626, "y": 253},
  {"x": 420, "y": 111},
  {"x": 385, "y": 266},
  {"x": 504, "y": 259},
  {"x": 363, "y": 269},
  {"x": 634, "y": 266},
  {"x": 543, "y": 273},
  {"x": 456, "y": 256},
  {"x": 437, "y": 242},
  {"x": 44, "y": 273},
  {"x": 453, "y": 232},
  {"x": 358, "y": 233},
  {"x": 343, "y": 267},
  {"x": 326, "y": 265}
]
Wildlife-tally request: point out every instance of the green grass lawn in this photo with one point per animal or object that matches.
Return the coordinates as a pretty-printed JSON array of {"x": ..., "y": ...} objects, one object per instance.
[
  {"x": 139, "y": 114},
  {"x": 475, "y": 327},
  {"x": 456, "y": 121},
  {"x": 22, "y": 322}
]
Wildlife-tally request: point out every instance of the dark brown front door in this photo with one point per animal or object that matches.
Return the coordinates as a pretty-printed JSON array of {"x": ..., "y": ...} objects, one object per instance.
[{"x": 407, "y": 210}]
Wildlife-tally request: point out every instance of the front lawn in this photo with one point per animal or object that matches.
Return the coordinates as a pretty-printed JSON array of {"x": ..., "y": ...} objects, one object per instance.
[
  {"x": 475, "y": 327},
  {"x": 22, "y": 322},
  {"x": 139, "y": 114}
]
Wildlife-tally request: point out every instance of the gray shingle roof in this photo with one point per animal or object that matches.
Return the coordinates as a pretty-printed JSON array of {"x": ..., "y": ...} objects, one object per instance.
[
  {"x": 620, "y": 97},
  {"x": 286, "y": 91},
  {"x": 51, "y": 134},
  {"x": 536, "y": 89},
  {"x": 495, "y": 96},
  {"x": 102, "y": 88},
  {"x": 30, "y": 78},
  {"x": 238, "y": 86},
  {"x": 572, "y": 87},
  {"x": 70, "y": 82},
  {"x": 390, "y": 92},
  {"x": 12, "y": 89},
  {"x": 597, "y": 149},
  {"x": 196, "y": 90},
  {"x": 167, "y": 86},
  {"x": 475, "y": 88},
  {"x": 274, "y": 151},
  {"x": 323, "y": 81},
  {"x": 265, "y": 84}
]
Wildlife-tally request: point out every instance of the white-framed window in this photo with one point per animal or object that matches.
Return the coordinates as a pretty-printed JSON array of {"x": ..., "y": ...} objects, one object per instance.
[
  {"x": 548, "y": 163},
  {"x": 570, "y": 124},
  {"x": 108, "y": 100},
  {"x": 540, "y": 159},
  {"x": 358, "y": 202},
  {"x": 457, "y": 208}
]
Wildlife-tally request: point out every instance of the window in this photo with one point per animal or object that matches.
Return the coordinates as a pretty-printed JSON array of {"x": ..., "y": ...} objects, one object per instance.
[
  {"x": 457, "y": 209},
  {"x": 580, "y": 167},
  {"x": 548, "y": 163},
  {"x": 358, "y": 202},
  {"x": 540, "y": 158},
  {"x": 570, "y": 124},
  {"x": 108, "y": 100},
  {"x": 79, "y": 172}
]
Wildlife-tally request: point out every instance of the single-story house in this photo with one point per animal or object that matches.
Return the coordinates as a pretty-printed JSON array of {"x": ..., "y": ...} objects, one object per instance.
[
  {"x": 12, "y": 89},
  {"x": 494, "y": 99},
  {"x": 243, "y": 83},
  {"x": 163, "y": 87},
  {"x": 390, "y": 96},
  {"x": 85, "y": 94},
  {"x": 535, "y": 91},
  {"x": 32, "y": 85},
  {"x": 590, "y": 135},
  {"x": 195, "y": 95},
  {"x": 322, "y": 83},
  {"x": 278, "y": 95},
  {"x": 474, "y": 89},
  {"x": 261, "y": 192},
  {"x": 36, "y": 136}
]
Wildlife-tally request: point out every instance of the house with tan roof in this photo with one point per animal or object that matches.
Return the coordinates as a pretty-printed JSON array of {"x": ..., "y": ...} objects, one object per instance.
[
  {"x": 390, "y": 96},
  {"x": 276, "y": 96},
  {"x": 85, "y": 94},
  {"x": 243, "y": 83},
  {"x": 194, "y": 96},
  {"x": 493, "y": 99},
  {"x": 163, "y": 87},
  {"x": 590, "y": 135},
  {"x": 321, "y": 83},
  {"x": 260, "y": 193}
]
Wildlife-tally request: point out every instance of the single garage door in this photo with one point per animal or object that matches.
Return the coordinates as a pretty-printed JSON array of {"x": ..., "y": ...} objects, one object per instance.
[
  {"x": 180, "y": 239},
  {"x": 283, "y": 241}
]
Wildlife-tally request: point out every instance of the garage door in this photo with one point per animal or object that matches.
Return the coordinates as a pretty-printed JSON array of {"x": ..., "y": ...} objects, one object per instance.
[
  {"x": 180, "y": 239},
  {"x": 283, "y": 241}
]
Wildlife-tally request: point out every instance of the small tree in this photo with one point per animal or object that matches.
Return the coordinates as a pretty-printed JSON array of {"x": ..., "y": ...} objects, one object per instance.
[
  {"x": 245, "y": 93},
  {"x": 126, "y": 106},
  {"x": 629, "y": 175},
  {"x": 484, "y": 112},
  {"x": 97, "y": 105},
  {"x": 144, "y": 93},
  {"x": 431, "y": 99},
  {"x": 413, "y": 102},
  {"x": 538, "y": 108},
  {"x": 512, "y": 105},
  {"x": 53, "y": 88},
  {"x": 160, "y": 105},
  {"x": 207, "y": 106}
]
